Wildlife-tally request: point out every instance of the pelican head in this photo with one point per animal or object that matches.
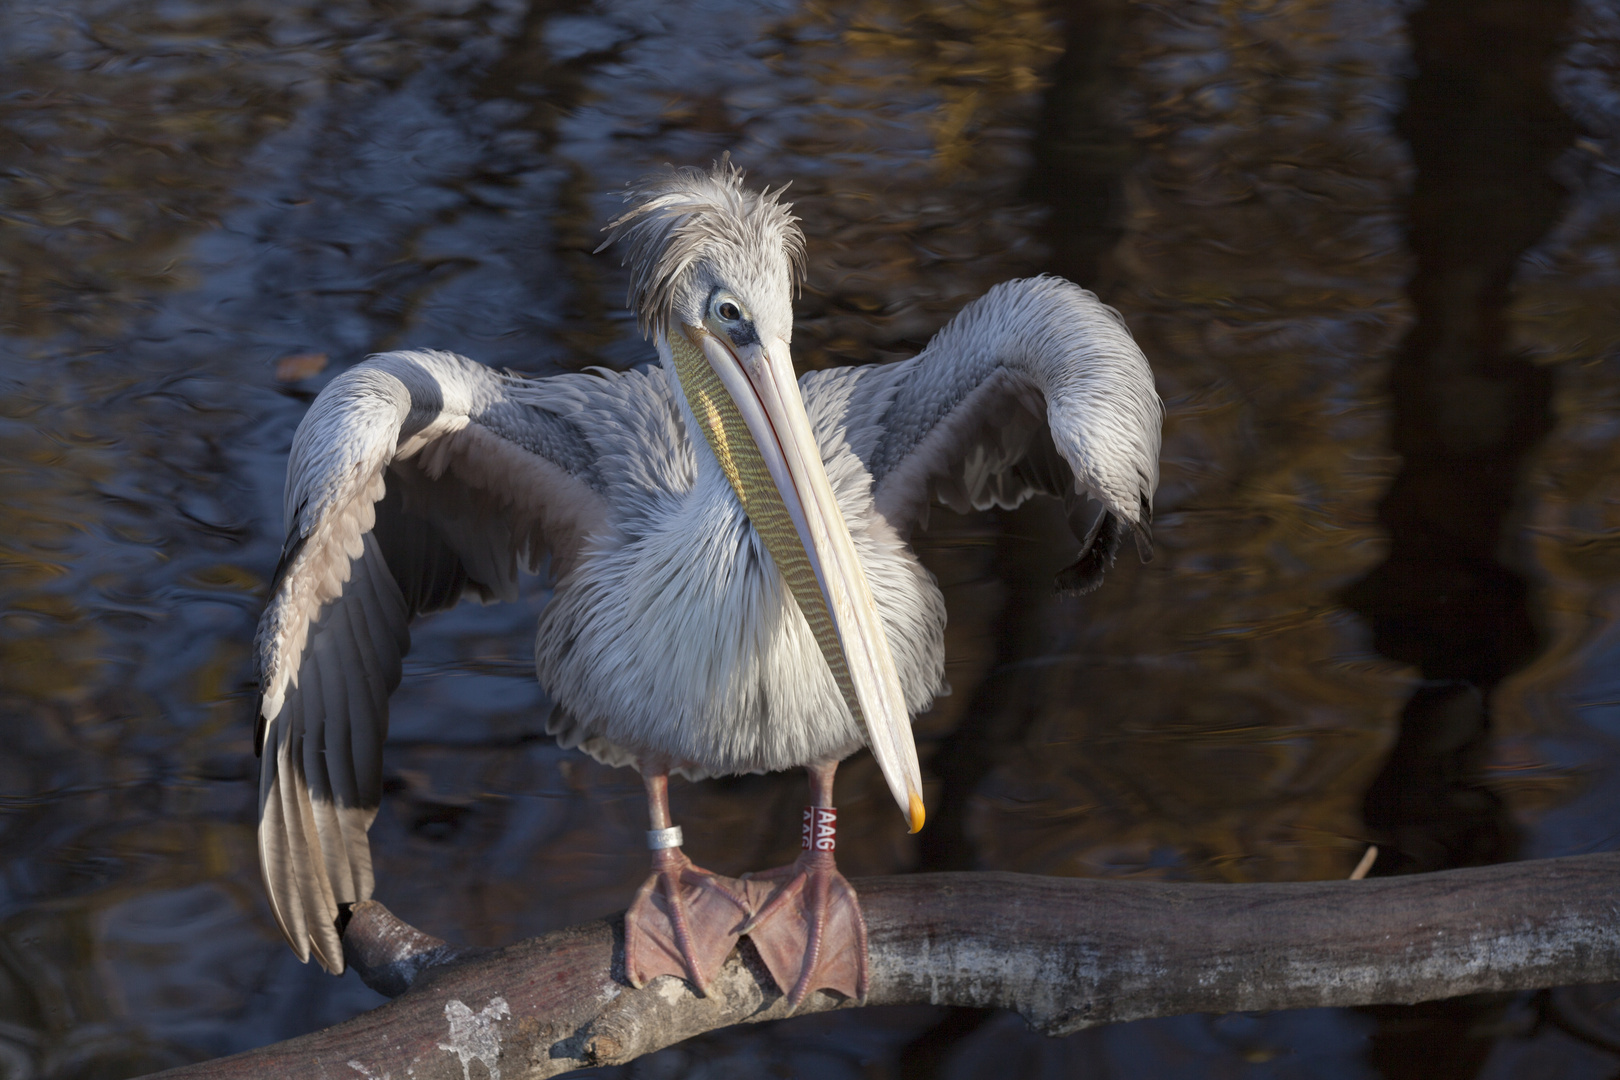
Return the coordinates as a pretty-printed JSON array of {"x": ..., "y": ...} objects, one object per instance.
[{"x": 713, "y": 267}]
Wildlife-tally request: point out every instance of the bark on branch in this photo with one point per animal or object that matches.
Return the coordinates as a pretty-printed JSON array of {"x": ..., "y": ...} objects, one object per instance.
[{"x": 1066, "y": 953}]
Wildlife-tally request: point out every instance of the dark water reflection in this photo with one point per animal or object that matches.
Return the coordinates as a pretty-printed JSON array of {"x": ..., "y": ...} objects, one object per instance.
[{"x": 210, "y": 209}]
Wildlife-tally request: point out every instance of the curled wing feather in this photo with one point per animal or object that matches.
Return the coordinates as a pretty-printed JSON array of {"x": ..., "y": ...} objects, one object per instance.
[
  {"x": 415, "y": 479},
  {"x": 1035, "y": 388}
]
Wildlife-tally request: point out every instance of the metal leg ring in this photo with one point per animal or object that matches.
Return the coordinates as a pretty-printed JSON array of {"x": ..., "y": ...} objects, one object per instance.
[{"x": 659, "y": 839}]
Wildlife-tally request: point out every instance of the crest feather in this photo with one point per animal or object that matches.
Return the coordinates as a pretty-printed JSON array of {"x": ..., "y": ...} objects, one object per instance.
[{"x": 681, "y": 215}]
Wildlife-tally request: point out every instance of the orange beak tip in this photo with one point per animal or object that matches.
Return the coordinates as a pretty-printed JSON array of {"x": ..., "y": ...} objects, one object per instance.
[{"x": 918, "y": 816}]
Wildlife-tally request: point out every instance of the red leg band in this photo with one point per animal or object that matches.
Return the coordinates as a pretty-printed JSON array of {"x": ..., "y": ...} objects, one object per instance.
[{"x": 820, "y": 828}]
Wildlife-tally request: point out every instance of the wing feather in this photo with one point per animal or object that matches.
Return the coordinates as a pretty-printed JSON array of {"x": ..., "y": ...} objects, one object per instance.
[
  {"x": 415, "y": 479},
  {"x": 1035, "y": 388},
  {"x": 313, "y": 886},
  {"x": 276, "y": 859}
]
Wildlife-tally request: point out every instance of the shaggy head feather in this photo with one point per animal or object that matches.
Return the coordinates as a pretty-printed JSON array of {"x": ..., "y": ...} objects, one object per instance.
[{"x": 690, "y": 231}]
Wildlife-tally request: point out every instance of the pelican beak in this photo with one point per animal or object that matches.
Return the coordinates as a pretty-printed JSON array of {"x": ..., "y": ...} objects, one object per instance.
[{"x": 762, "y": 438}]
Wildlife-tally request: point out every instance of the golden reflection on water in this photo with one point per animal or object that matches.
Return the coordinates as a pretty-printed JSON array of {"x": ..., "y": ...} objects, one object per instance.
[{"x": 202, "y": 196}]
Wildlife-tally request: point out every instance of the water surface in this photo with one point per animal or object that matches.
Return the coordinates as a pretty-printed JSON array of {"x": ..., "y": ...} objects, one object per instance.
[{"x": 1387, "y": 346}]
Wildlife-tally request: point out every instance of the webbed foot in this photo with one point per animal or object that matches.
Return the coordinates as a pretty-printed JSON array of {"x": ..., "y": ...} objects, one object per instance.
[{"x": 684, "y": 922}]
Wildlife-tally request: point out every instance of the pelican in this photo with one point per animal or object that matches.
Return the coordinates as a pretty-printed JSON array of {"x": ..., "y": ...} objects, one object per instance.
[{"x": 733, "y": 590}]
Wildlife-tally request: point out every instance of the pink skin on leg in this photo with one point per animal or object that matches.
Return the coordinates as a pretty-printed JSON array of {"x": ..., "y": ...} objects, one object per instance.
[
  {"x": 684, "y": 920},
  {"x": 810, "y": 932}
]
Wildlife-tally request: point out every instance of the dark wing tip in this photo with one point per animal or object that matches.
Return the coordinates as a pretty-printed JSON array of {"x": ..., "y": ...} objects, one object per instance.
[
  {"x": 1097, "y": 553},
  {"x": 1143, "y": 530},
  {"x": 1143, "y": 534}
]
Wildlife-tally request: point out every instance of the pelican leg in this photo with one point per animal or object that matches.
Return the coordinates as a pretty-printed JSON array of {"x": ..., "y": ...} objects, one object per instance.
[
  {"x": 684, "y": 920},
  {"x": 810, "y": 932}
]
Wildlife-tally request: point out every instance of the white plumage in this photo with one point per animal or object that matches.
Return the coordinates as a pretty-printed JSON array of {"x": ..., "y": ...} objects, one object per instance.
[{"x": 421, "y": 477}]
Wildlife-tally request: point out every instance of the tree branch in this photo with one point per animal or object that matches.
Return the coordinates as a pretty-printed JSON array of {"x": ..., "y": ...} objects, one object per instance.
[{"x": 1066, "y": 953}]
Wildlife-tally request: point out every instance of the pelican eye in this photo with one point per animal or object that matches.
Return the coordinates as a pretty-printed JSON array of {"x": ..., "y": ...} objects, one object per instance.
[{"x": 728, "y": 318}]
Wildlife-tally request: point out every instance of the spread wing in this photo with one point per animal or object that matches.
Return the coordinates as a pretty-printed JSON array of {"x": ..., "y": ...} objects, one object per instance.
[
  {"x": 1035, "y": 388},
  {"x": 414, "y": 480}
]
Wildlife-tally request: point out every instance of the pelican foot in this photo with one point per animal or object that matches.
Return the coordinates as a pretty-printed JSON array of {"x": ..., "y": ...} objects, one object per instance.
[
  {"x": 810, "y": 932},
  {"x": 684, "y": 922}
]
